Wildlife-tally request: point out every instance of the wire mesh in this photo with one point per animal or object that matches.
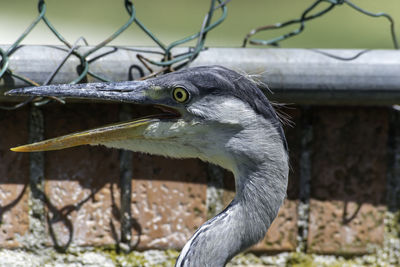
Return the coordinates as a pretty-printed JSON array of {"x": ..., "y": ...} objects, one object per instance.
[
  {"x": 309, "y": 15},
  {"x": 167, "y": 60}
]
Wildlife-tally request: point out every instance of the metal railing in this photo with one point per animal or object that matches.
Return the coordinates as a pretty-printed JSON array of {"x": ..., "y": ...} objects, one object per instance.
[{"x": 301, "y": 76}]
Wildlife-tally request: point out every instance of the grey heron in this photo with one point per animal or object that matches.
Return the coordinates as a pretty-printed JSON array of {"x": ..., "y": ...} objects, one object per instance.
[{"x": 211, "y": 113}]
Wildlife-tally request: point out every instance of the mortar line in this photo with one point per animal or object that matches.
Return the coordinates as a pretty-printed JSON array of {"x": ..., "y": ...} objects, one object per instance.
[
  {"x": 305, "y": 179},
  {"x": 37, "y": 222},
  {"x": 393, "y": 172},
  {"x": 391, "y": 239},
  {"x": 126, "y": 173}
]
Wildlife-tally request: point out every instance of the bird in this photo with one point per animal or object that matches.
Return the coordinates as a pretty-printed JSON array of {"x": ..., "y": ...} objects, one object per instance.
[{"x": 208, "y": 112}]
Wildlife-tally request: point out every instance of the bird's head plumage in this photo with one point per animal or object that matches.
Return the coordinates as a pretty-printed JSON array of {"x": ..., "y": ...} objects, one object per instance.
[{"x": 202, "y": 111}]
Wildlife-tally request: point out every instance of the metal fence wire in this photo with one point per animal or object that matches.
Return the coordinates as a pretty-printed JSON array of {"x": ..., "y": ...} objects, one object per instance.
[
  {"x": 310, "y": 13},
  {"x": 168, "y": 61}
]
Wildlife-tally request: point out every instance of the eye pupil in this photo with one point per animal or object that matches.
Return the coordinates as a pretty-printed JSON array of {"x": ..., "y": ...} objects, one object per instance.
[{"x": 180, "y": 94}]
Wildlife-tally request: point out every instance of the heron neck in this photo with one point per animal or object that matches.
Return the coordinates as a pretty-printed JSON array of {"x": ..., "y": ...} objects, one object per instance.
[{"x": 260, "y": 192}]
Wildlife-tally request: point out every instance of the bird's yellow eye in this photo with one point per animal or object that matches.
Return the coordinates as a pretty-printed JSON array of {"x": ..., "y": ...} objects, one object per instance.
[{"x": 180, "y": 94}]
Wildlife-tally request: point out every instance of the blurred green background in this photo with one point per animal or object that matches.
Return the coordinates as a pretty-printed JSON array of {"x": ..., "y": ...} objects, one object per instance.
[{"x": 171, "y": 20}]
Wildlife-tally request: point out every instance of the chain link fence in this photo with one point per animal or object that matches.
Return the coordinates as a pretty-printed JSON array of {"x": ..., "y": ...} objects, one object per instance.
[
  {"x": 168, "y": 61},
  {"x": 314, "y": 11}
]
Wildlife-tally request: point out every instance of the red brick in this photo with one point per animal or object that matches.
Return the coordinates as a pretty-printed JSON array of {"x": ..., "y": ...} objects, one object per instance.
[
  {"x": 168, "y": 201},
  {"x": 329, "y": 234},
  {"x": 82, "y": 182},
  {"x": 282, "y": 234},
  {"x": 14, "y": 177},
  {"x": 348, "y": 180}
]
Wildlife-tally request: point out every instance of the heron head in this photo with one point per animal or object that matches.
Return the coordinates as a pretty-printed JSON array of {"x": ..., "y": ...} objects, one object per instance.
[{"x": 205, "y": 112}]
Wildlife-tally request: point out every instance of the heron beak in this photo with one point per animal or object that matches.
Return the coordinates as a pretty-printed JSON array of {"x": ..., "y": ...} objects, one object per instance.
[
  {"x": 131, "y": 92},
  {"x": 114, "y": 132}
]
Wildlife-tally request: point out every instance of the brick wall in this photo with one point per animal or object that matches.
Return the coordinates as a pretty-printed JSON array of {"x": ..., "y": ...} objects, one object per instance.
[{"x": 336, "y": 204}]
